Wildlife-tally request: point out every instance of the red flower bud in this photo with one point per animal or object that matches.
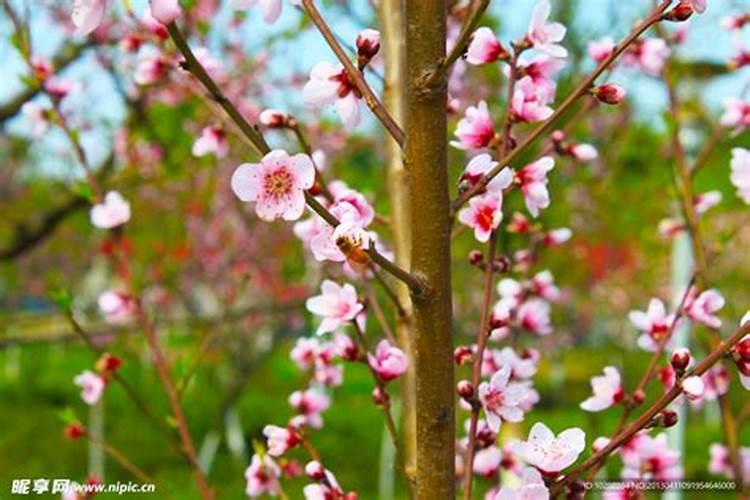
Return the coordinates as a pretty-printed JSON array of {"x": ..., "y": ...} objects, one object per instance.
[
  {"x": 108, "y": 363},
  {"x": 680, "y": 13},
  {"x": 476, "y": 258},
  {"x": 639, "y": 396},
  {"x": 465, "y": 389},
  {"x": 743, "y": 348},
  {"x": 463, "y": 355},
  {"x": 610, "y": 93},
  {"x": 75, "y": 430},
  {"x": 681, "y": 359},
  {"x": 744, "y": 367},
  {"x": 669, "y": 418}
]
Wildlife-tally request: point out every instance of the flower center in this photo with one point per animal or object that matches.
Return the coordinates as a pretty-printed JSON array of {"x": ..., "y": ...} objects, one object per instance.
[{"x": 278, "y": 183}]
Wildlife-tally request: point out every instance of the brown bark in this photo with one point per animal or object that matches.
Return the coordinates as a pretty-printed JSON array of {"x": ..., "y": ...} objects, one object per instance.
[
  {"x": 425, "y": 160},
  {"x": 392, "y": 23}
]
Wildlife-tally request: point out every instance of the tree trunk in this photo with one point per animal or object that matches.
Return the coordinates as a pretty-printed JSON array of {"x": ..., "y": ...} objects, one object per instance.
[
  {"x": 392, "y": 34},
  {"x": 425, "y": 160}
]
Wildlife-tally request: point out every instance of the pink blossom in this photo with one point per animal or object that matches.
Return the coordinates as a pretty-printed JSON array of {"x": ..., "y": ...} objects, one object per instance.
[
  {"x": 38, "y": 116},
  {"x": 479, "y": 166},
  {"x": 113, "y": 211},
  {"x": 557, "y": 236},
  {"x": 744, "y": 376},
  {"x": 543, "y": 285},
  {"x": 599, "y": 50},
  {"x": 271, "y": 8},
  {"x": 522, "y": 367},
  {"x": 715, "y": 383},
  {"x": 607, "y": 390},
  {"x": 533, "y": 181},
  {"x": 277, "y": 184},
  {"x": 389, "y": 362},
  {"x": 92, "y": 386},
  {"x": 212, "y": 140},
  {"x": 343, "y": 193},
  {"x": 328, "y": 84},
  {"x": 87, "y": 15},
  {"x": 583, "y": 152},
  {"x": 151, "y": 67},
  {"x": 698, "y": 5},
  {"x": 740, "y": 176},
  {"x": 551, "y": 453},
  {"x": 693, "y": 387},
  {"x": 501, "y": 399},
  {"x": 212, "y": 65},
  {"x": 485, "y": 213},
  {"x": 500, "y": 320},
  {"x": 669, "y": 227},
  {"x": 706, "y": 201},
  {"x": 736, "y": 114},
  {"x": 701, "y": 307},
  {"x": 533, "y": 315},
  {"x": 655, "y": 323},
  {"x": 280, "y": 439},
  {"x": 165, "y": 11},
  {"x": 650, "y": 458},
  {"x": 721, "y": 462},
  {"x": 475, "y": 129},
  {"x": 305, "y": 352},
  {"x": 337, "y": 305},
  {"x": 116, "y": 307},
  {"x": 327, "y": 487},
  {"x": 484, "y": 48},
  {"x": 510, "y": 290},
  {"x": 532, "y": 487},
  {"x": 649, "y": 55},
  {"x": 310, "y": 404},
  {"x": 540, "y": 70},
  {"x": 262, "y": 477},
  {"x": 487, "y": 461},
  {"x": 530, "y": 101},
  {"x": 545, "y": 36}
]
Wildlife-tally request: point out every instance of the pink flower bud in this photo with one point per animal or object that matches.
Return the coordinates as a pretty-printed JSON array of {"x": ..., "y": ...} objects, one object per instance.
[
  {"x": 165, "y": 11},
  {"x": 465, "y": 389},
  {"x": 272, "y": 118},
  {"x": 368, "y": 44},
  {"x": 380, "y": 397},
  {"x": 681, "y": 359},
  {"x": 610, "y": 93},
  {"x": 315, "y": 470}
]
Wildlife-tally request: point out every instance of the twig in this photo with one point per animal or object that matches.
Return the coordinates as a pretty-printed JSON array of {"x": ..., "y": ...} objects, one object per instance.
[
  {"x": 579, "y": 91},
  {"x": 355, "y": 76},
  {"x": 259, "y": 143},
  {"x": 174, "y": 402},
  {"x": 720, "y": 351}
]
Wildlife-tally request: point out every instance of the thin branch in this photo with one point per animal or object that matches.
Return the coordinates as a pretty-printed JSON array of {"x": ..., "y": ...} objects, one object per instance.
[
  {"x": 582, "y": 89},
  {"x": 256, "y": 138},
  {"x": 355, "y": 76},
  {"x": 715, "y": 356},
  {"x": 162, "y": 370},
  {"x": 465, "y": 36}
]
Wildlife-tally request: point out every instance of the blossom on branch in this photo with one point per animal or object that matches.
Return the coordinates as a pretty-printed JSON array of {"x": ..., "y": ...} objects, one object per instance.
[
  {"x": 338, "y": 305},
  {"x": 92, "y": 386},
  {"x": 329, "y": 83},
  {"x": 545, "y": 36},
  {"x": 549, "y": 453},
  {"x": 113, "y": 211},
  {"x": 607, "y": 390},
  {"x": 389, "y": 362},
  {"x": 277, "y": 184}
]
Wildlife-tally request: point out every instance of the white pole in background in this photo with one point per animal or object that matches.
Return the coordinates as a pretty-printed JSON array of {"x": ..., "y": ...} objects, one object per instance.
[{"x": 682, "y": 271}]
